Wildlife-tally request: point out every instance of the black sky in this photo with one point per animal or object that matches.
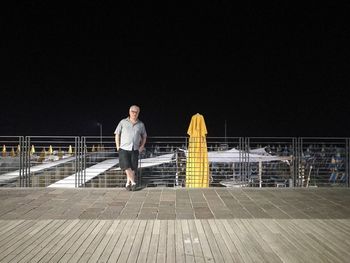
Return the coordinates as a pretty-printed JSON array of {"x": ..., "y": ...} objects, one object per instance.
[{"x": 267, "y": 70}]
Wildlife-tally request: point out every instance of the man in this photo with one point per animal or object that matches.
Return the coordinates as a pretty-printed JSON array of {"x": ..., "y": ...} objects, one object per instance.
[{"x": 130, "y": 140}]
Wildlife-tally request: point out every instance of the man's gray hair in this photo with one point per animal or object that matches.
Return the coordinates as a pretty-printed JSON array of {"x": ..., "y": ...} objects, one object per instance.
[{"x": 135, "y": 107}]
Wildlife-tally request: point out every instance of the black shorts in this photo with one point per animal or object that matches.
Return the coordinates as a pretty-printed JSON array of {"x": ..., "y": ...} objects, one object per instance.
[{"x": 128, "y": 159}]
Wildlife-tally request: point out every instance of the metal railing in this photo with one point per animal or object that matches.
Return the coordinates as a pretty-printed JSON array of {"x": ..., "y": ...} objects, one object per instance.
[{"x": 73, "y": 161}]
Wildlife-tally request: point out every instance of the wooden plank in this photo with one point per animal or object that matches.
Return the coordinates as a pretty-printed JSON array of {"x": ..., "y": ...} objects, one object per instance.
[
  {"x": 23, "y": 245},
  {"x": 66, "y": 248},
  {"x": 271, "y": 239},
  {"x": 136, "y": 246},
  {"x": 328, "y": 253},
  {"x": 345, "y": 223},
  {"x": 208, "y": 257},
  {"x": 86, "y": 241},
  {"x": 129, "y": 242},
  {"x": 179, "y": 244},
  {"x": 212, "y": 241},
  {"x": 219, "y": 240},
  {"x": 189, "y": 257},
  {"x": 69, "y": 255},
  {"x": 43, "y": 245},
  {"x": 7, "y": 225},
  {"x": 143, "y": 254},
  {"x": 121, "y": 241},
  {"x": 277, "y": 242},
  {"x": 257, "y": 249},
  {"x": 28, "y": 249},
  {"x": 65, "y": 241},
  {"x": 312, "y": 239},
  {"x": 152, "y": 253},
  {"x": 331, "y": 247},
  {"x": 6, "y": 209},
  {"x": 235, "y": 248},
  {"x": 14, "y": 231},
  {"x": 108, "y": 250},
  {"x": 307, "y": 240},
  {"x": 301, "y": 241},
  {"x": 104, "y": 242},
  {"x": 96, "y": 237},
  {"x": 161, "y": 251},
  {"x": 345, "y": 228},
  {"x": 13, "y": 226},
  {"x": 339, "y": 224},
  {"x": 170, "y": 248},
  {"x": 238, "y": 237},
  {"x": 334, "y": 235},
  {"x": 254, "y": 237},
  {"x": 197, "y": 249},
  {"x": 9, "y": 248}
]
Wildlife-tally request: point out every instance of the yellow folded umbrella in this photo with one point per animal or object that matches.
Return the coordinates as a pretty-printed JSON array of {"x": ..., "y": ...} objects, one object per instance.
[
  {"x": 50, "y": 150},
  {"x": 197, "y": 165},
  {"x": 70, "y": 150},
  {"x": 4, "y": 153},
  {"x": 32, "y": 149}
]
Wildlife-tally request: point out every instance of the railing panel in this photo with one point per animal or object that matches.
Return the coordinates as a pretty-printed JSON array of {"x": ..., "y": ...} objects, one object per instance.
[
  {"x": 323, "y": 162},
  {"x": 92, "y": 161},
  {"x": 11, "y": 159},
  {"x": 268, "y": 171},
  {"x": 42, "y": 161}
]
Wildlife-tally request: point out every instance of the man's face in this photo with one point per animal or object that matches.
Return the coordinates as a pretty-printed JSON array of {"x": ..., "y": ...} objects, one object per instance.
[{"x": 134, "y": 113}]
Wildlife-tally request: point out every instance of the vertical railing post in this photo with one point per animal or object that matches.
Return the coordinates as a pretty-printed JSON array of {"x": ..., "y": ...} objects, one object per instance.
[
  {"x": 76, "y": 162},
  {"x": 22, "y": 155},
  {"x": 248, "y": 165},
  {"x": 347, "y": 162},
  {"x": 294, "y": 161},
  {"x": 301, "y": 167},
  {"x": 83, "y": 159},
  {"x": 243, "y": 158},
  {"x": 27, "y": 162}
]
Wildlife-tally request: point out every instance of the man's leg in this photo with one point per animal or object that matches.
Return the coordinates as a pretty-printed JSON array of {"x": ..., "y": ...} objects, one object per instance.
[
  {"x": 134, "y": 164},
  {"x": 127, "y": 180},
  {"x": 130, "y": 175},
  {"x": 123, "y": 161}
]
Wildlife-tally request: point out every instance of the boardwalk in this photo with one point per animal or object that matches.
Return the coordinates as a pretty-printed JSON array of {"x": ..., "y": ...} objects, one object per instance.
[{"x": 175, "y": 225}]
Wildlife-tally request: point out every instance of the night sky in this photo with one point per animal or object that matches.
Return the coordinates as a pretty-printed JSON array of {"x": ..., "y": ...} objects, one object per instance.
[{"x": 266, "y": 70}]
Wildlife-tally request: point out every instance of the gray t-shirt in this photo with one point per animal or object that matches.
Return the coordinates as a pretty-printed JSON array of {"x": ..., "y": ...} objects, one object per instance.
[{"x": 130, "y": 134}]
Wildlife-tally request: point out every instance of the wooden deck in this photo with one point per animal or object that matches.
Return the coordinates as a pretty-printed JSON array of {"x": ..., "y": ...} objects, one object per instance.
[{"x": 175, "y": 225}]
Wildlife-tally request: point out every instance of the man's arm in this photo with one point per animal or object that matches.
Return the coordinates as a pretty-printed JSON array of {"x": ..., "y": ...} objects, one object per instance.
[
  {"x": 117, "y": 141},
  {"x": 143, "y": 142}
]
